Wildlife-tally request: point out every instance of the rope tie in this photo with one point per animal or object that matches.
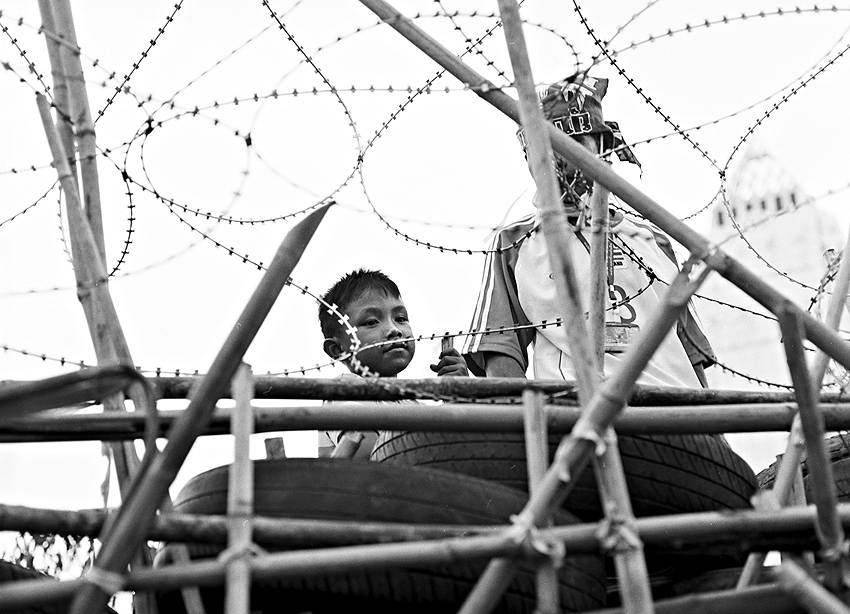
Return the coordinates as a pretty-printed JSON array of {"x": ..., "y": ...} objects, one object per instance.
[
  {"x": 524, "y": 533},
  {"x": 617, "y": 536},
  {"x": 236, "y": 552},
  {"x": 109, "y": 582}
]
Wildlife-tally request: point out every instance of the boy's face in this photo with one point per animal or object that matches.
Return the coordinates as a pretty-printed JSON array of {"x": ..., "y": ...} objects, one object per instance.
[{"x": 378, "y": 317}]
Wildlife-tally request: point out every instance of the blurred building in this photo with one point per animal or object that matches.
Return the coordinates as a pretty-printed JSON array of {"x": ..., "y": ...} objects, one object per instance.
[{"x": 776, "y": 230}]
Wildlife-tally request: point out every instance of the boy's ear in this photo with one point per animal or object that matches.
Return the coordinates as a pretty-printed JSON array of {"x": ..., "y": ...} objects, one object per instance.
[{"x": 332, "y": 348}]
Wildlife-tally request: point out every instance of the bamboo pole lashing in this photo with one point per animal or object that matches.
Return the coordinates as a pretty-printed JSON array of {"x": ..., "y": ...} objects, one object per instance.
[
  {"x": 599, "y": 171},
  {"x": 151, "y": 486}
]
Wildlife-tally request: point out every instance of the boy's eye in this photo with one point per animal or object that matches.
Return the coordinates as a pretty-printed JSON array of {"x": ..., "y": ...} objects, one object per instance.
[
  {"x": 401, "y": 319},
  {"x": 370, "y": 322}
]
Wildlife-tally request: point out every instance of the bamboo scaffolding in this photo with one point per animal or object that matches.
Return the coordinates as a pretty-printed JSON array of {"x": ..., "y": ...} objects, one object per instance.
[
  {"x": 820, "y": 468},
  {"x": 240, "y": 500},
  {"x": 492, "y": 418},
  {"x": 806, "y": 591},
  {"x": 600, "y": 172},
  {"x": 151, "y": 486},
  {"x": 792, "y": 529}
]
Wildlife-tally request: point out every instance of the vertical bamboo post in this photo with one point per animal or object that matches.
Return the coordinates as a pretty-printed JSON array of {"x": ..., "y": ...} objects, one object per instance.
[
  {"x": 87, "y": 264},
  {"x": 240, "y": 498},
  {"x": 537, "y": 461},
  {"x": 830, "y": 533},
  {"x": 80, "y": 113},
  {"x": 60, "y": 85},
  {"x": 599, "y": 267},
  {"x": 136, "y": 514},
  {"x": 808, "y": 593}
]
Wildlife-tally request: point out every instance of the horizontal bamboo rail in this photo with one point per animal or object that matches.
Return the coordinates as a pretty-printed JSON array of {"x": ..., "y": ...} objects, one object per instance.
[
  {"x": 493, "y": 418},
  {"x": 464, "y": 388},
  {"x": 791, "y": 529}
]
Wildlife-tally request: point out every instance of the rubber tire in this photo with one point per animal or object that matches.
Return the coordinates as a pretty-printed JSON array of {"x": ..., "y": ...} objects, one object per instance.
[
  {"x": 366, "y": 491},
  {"x": 665, "y": 474},
  {"x": 838, "y": 452},
  {"x": 11, "y": 572}
]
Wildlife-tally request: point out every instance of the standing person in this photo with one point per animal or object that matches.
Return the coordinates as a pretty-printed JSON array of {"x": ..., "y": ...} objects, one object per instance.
[
  {"x": 518, "y": 292},
  {"x": 372, "y": 303}
]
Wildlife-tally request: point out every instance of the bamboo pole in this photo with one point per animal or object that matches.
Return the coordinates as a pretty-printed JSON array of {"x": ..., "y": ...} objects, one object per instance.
[
  {"x": 820, "y": 468},
  {"x": 151, "y": 486},
  {"x": 361, "y": 389},
  {"x": 85, "y": 385},
  {"x": 240, "y": 499},
  {"x": 807, "y": 592},
  {"x": 537, "y": 460},
  {"x": 303, "y": 563},
  {"x": 599, "y": 171},
  {"x": 757, "y": 600},
  {"x": 104, "y": 326},
  {"x": 60, "y": 84},
  {"x": 631, "y": 565},
  {"x": 80, "y": 114},
  {"x": 727, "y": 532},
  {"x": 599, "y": 271},
  {"x": 450, "y": 417}
]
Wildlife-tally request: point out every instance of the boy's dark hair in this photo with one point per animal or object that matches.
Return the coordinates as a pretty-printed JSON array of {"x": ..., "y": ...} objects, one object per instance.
[{"x": 347, "y": 290}]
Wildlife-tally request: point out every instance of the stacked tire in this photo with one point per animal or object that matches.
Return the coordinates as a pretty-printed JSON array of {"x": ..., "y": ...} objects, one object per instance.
[
  {"x": 364, "y": 491},
  {"x": 665, "y": 474}
]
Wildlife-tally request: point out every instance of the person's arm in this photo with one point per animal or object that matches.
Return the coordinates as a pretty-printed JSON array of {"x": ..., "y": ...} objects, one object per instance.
[
  {"x": 502, "y": 365},
  {"x": 498, "y": 311}
]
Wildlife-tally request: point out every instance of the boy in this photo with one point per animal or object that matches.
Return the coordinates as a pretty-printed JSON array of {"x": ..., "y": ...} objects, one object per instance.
[{"x": 372, "y": 303}]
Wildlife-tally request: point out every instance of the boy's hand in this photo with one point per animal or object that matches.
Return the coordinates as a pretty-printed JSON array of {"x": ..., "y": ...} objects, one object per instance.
[{"x": 451, "y": 364}]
